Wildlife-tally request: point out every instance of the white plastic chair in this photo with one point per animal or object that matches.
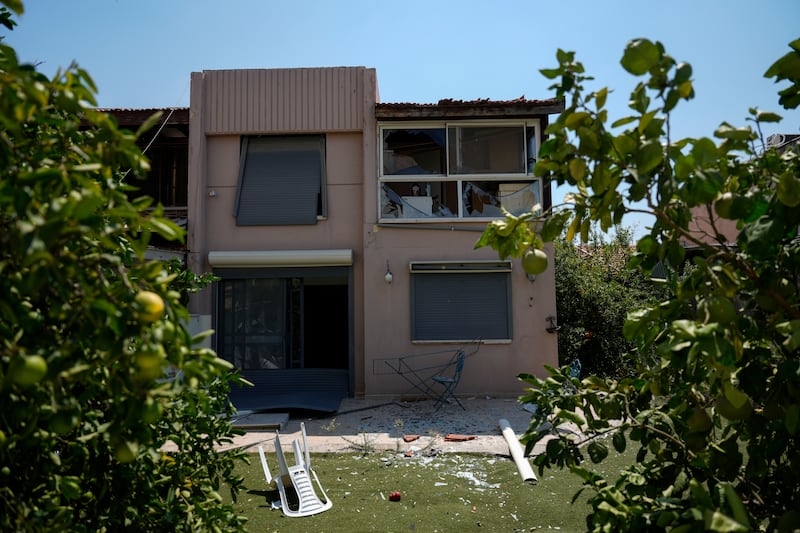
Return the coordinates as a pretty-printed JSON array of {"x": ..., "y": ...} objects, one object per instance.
[{"x": 297, "y": 478}]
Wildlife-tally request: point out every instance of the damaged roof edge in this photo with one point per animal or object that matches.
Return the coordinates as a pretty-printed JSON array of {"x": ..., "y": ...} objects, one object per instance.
[
  {"x": 136, "y": 117},
  {"x": 460, "y": 109}
]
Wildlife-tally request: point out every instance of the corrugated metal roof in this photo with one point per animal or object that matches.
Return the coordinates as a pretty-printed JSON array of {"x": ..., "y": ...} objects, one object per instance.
[{"x": 132, "y": 116}]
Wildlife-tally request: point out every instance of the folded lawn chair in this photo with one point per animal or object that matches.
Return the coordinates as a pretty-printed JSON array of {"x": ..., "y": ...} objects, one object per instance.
[{"x": 295, "y": 486}]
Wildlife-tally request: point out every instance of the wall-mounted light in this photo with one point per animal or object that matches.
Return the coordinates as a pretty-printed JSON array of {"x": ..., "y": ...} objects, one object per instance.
[
  {"x": 388, "y": 277},
  {"x": 212, "y": 194},
  {"x": 552, "y": 328}
]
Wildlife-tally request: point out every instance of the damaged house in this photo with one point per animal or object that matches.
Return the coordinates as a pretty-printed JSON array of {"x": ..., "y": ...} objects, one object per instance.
[{"x": 342, "y": 230}]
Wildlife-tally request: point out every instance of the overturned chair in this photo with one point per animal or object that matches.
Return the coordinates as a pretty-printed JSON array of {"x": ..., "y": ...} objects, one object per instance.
[{"x": 295, "y": 484}]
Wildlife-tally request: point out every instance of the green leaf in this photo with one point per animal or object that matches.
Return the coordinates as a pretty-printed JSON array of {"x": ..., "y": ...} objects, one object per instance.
[
  {"x": 586, "y": 226},
  {"x": 625, "y": 144},
  {"x": 619, "y": 441},
  {"x": 726, "y": 131},
  {"x": 736, "y": 397},
  {"x": 789, "y": 189},
  {"x": 70, "y": 487},
  {"x": 665, "y": 518},
  {"x": 15, "y": 6},
  {"x": 647, "y": 245},
  {"x": 792, "y": 419},
  {"x": 87, "y": 206},
  {"x": 166, "y": 228},
  {"x": 573, "y": 228},
  {"x": 623, "y": 121},
  {"x": 151, "y": 121},
  {"x": 767, "y": 116},
  {"x": 640, "y": 56},
  {"x": 787, "y": 67},
  {"x": 716, "y": 521},
  {"x": 87, "y": 167},
  {"x": 571, "y": 416},
  {"x": 573, "y": 120},
  {"x": 705, "y": 152},
  {"x": 736, "y": 505},
  {"x": 649, "y": 157},
  {"x": 700, "y": 494},
  {"x": 600, "y": 97},
  {"x": 636, "y": 322},
  {"x": 597, "y": 451},
  {"x": 686, "y": 90},
  {"x": 577, "y": 168},
  {"x": 553, "y": 226},
  {"x": 550, "y": 73},
  {"x": 590, "y": 142},
  {"x": 683, "y": 73}
]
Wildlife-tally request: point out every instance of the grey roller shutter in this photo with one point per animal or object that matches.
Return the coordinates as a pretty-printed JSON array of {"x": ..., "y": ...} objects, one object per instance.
[
  {"x": 281, "y": 181},
  {"x": 460, "y": 306}
]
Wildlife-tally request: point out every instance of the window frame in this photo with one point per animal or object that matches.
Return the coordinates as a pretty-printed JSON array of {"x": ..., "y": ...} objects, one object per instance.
[
  {"x": 458, "y": 179},
  {"x": 241, "y": 184},
  {"x": 294, "y": 328}
]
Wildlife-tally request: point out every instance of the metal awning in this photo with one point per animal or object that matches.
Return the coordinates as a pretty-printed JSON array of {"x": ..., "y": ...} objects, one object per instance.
[{"x": 280, "y": 258}]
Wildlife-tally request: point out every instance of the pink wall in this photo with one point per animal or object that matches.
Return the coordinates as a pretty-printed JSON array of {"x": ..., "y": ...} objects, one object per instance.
[
  {"x": 701, "y": 227},
  {"x": 494, "y": 369},
  {"x": 340, "y": 230}
]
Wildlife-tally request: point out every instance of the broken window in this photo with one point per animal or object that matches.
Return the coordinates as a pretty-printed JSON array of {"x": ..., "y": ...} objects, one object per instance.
[
  {"x": 283, "y": 318},
  {"x": 429, "y": 171}
]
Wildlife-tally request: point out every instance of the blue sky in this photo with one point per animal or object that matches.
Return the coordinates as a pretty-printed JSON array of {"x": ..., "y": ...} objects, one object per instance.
[{"x": 141, "y": 52}]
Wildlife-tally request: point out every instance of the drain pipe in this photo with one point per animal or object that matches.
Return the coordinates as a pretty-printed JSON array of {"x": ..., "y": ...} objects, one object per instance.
[{"x": 517, "y": 454}]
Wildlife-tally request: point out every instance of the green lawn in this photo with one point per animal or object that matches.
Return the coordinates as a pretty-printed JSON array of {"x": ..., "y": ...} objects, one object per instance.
[{"x": 446, "y": 492}]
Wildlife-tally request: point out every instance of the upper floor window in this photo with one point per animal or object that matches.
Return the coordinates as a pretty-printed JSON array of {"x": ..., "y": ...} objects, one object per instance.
[
  {"x": 458, "y": 170},
  {"x": 281, "y": 180},
  {"x": 168, "y": 180}
]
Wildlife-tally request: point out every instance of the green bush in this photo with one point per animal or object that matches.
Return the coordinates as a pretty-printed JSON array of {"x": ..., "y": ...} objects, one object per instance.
[
  {"x": 594, "y": 293},
  {"x": 85, "y": 408}
]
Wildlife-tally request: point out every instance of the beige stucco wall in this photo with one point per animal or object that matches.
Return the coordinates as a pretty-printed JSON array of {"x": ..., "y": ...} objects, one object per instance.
[
  {"x": 493, "y": 370},
  {"x": 339, "y": 230}
]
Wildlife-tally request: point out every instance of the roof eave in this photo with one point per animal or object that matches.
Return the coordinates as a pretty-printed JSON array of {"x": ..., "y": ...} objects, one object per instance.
[{"x": 466, "y": 110}]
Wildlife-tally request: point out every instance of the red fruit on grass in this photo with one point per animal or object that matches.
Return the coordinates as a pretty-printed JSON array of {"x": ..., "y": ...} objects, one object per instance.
[{"x": 395, "y": 496}]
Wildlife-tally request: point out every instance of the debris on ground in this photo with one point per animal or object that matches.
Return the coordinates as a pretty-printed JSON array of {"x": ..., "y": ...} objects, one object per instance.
[{"x": 455, "y": 437}]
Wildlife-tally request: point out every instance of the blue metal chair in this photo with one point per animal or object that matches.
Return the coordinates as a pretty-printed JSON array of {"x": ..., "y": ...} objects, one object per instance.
[{"x": 451, "y": 382}]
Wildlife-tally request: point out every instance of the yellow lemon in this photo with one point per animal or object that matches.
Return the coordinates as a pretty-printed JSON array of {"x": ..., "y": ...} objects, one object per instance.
[{"x": 150, "y": 306}]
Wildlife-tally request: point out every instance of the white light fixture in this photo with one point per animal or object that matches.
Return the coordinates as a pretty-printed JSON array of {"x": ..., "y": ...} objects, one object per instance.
[
  {"x": 212, "y": 194},
  {"x": 388, "y": 277}
]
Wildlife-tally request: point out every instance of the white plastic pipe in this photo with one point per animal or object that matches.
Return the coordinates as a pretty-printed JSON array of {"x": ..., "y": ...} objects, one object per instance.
[{"x": 517, "y": 453}]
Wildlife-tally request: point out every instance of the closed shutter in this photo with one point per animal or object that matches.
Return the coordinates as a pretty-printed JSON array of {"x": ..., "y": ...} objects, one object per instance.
[
  {"x": 460, "y": 306},
  {"x": 281, "y": 181}
]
